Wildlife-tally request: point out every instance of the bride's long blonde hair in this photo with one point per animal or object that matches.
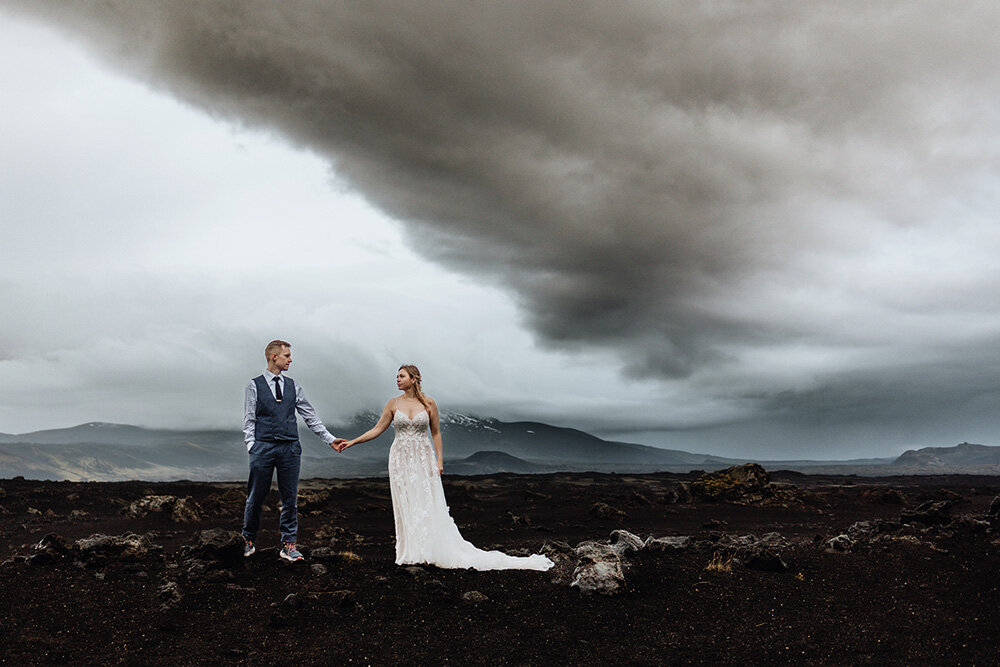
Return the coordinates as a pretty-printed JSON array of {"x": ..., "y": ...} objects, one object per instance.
[{"x": 415, "y": 374}]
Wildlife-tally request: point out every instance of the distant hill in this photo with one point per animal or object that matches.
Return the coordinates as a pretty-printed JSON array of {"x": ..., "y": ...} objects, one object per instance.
[
  {"x": 473, "y": 445},
  {"x": 488, "y": 463},
  {"x": 961, "y": 455}
]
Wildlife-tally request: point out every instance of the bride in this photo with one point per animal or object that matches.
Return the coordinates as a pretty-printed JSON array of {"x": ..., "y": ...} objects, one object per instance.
[{"x": 425, "y": 531}]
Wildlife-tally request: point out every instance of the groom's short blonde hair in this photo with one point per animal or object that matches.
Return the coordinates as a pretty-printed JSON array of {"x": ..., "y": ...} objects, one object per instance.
[{"x": 275, "y": 346}]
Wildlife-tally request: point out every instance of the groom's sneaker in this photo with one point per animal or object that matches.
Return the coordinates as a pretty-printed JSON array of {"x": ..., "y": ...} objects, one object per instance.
[
  {"x": 289, "y": 552},
  {"x": 248, "y": 548}
]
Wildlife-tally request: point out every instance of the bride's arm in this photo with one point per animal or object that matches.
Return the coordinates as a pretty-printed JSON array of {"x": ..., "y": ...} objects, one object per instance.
[
  {"x": 383, "y": 423},
  {"x": 436, "y": 433}
]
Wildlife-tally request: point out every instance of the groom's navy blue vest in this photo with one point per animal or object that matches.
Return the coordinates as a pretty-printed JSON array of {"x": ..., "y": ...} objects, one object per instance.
[{"x": 275, "y": 421}]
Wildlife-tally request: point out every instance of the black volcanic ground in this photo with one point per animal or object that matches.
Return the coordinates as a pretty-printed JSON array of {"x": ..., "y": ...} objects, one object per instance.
[{"x": 917, "y": 584}]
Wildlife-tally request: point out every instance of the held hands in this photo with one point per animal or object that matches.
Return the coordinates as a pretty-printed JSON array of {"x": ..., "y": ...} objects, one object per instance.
[{"x": 340, "y": 444}]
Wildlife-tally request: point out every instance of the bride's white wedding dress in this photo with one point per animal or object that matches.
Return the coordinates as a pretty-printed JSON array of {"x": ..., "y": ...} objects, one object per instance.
[{"x": 425, "y": 531}]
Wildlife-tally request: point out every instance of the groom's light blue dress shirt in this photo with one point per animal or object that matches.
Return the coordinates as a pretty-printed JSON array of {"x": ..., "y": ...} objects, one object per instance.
[{"x": 302, "y": 406}]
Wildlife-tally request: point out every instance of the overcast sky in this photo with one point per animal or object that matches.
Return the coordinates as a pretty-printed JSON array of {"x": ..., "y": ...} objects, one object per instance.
[{"x": 761, "y": 229}]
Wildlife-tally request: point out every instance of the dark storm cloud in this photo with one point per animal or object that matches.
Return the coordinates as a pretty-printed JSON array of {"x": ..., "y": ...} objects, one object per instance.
[{"x": 712, "y": 189}]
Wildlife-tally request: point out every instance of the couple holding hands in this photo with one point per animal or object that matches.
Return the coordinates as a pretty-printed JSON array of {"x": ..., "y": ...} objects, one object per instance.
[{"x": 425, "y": 531}]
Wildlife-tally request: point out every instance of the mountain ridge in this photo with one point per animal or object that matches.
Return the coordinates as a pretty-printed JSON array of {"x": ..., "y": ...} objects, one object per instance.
[{"x": 103, "y": 451}]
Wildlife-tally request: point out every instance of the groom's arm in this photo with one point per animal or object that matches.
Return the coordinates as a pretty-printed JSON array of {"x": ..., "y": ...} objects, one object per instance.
[
  {"x": 310, "y": 417},
  {"x": 250, "y": 414}
]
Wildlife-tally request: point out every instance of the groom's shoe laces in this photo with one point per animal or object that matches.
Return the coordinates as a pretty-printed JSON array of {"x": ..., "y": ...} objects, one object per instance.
[{"x": 290, "y": 552}]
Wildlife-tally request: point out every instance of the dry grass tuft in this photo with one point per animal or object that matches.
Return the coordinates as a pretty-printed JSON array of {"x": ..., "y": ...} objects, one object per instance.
[{"x": 720, "y": 563}]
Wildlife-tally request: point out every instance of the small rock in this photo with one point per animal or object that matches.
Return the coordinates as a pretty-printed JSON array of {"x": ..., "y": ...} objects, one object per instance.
[
  {"x": 626, "y": 541},
  {"x": 840, "y": 543},
  {"x": 993, "y": 514},
  {"x": 639, "y": 499},
  {"x": 475, "y": 597},
  {"x": 679, "y": 543},
  {"x": 34, "y": 512},
  {"x": 671, "y": 497},
  {"x": 599, "y": 569},
  {"x": 218, "y": 544},
  {"x": 765, "y": 559},
  {"x": 415, "y": 571},
  {"x": 555, "y": 549},
  {"x": 519, "y": 520},
  {"x": 605, "y": 511},
  {"x": 169, "y": 595},
  {"x": 50, "y": 549},
  {"x": 318, "y": 569}
]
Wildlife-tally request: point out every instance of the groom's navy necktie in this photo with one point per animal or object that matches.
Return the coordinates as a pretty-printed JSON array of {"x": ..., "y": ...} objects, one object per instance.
[{"x": 277, "y": 388}]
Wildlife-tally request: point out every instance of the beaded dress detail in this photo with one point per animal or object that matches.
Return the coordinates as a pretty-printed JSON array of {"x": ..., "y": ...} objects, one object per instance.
[{"x": 425, "y": 531}]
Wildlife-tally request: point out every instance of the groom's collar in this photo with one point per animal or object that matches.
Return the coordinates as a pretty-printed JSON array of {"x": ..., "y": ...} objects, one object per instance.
[{"x": 269, "y": 376}]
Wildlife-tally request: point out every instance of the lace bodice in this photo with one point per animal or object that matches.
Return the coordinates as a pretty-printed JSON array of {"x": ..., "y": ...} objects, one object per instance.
[{"x": 409, "y": 427}]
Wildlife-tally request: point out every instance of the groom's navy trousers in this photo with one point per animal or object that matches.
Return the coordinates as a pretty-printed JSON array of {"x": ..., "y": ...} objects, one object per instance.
[{"x": 266, "y": 457}]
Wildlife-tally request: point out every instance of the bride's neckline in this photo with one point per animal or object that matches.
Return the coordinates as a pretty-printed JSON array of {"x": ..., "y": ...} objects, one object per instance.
[{"x": 408, "y": 417}]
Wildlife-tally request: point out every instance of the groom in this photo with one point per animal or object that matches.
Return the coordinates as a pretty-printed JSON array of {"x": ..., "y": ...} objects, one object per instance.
[{"x": 272, "y": 439}]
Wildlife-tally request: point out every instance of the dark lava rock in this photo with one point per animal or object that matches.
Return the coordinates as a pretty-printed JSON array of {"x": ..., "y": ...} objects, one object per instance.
[
  {"x": 169, "y": 595},
  {"x": 885, "y": 496},
  {"x": 745, "y": 483},
  {"x": 606, "y": 511},
  {"x": 99, "y": 549},
  {"x": 679, "y": 543},
  {"x": 671, "y": 497},
  {"x": 931, "y": 513},
  {"x": 639, "y": 499},
  {"x": 519, "y": 519},
  {"x": 322, "y": 553},
  {"x": 50, "y": 549},
  {"x": 765, "y": 559},
  {"x": 182, "y": 510},
  {"x": 866, "y": 529},
  {"x": 555, "y": 549},
  {"x": 218, "y": 545},
  {"x": 993, "y": 514},
  {"x": 755, "y": 553},
  {"x": 840, "y": 543}
]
